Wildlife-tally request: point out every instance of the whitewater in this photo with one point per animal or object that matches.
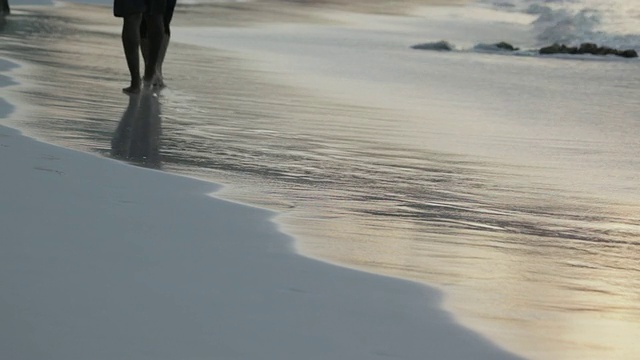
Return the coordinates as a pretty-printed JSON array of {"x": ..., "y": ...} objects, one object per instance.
[
  {"x": 614, "y": 23},
  {"x": 508, "y": 180}
]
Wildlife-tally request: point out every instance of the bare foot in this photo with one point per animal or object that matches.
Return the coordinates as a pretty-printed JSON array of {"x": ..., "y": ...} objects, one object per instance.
[
  {"x": 131, "y": 90},
  {"x": 158, "y": 82},
  {"x": 134, "y": 88},
  {"x": 147, "y": 84},
  {"x": 149, "y": 81}
]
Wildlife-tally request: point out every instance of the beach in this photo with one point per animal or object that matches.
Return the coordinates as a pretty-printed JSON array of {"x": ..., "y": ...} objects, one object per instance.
[
  {"x": 492, "y": 178},
  {"x": 105, "y": 260}
]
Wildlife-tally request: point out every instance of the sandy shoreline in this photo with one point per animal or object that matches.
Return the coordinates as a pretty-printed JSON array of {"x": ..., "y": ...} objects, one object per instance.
[{"x": 104, "y": 260}]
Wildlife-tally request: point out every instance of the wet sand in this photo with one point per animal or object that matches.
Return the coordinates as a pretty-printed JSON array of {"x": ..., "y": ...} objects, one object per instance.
[{"x": 101, "y": 260}]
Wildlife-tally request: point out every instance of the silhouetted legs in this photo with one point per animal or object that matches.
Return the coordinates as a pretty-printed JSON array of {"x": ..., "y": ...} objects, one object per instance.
[
  {"x": 131, "y": 44},
  {"x": 155, "y": 36},
  {"x": 144, "y": 45},
  {"x": 166, "y": 19}
]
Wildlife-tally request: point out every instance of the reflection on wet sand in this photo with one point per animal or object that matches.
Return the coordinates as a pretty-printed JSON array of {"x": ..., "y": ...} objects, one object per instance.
[{"x": 137, "y": 137}]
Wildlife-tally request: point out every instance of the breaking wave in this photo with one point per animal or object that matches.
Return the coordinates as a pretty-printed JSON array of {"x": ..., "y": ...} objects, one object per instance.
[{"x": 612, "y": 23}]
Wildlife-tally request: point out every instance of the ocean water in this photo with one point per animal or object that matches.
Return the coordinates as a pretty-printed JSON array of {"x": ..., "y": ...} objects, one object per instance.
[
  {"x": 571, "y": 21},
  {"x": 511, "y": 181}
]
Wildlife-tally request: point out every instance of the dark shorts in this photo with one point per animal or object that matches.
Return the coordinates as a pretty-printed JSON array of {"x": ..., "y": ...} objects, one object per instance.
[
  {"x": 124, "y": 8},
  {"x": 166, "y": 18}
]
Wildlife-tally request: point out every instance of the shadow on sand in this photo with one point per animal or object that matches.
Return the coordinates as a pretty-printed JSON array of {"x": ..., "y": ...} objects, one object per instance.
[{"x": 137, "y": 137}]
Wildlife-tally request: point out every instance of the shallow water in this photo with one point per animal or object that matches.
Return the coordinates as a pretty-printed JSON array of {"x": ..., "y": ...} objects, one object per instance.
[{"x": 510, "y": 182}]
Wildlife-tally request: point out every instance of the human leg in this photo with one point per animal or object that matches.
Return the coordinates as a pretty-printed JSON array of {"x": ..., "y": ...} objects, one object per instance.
[
  {"x": 168, "y": 15},
  {"x": 153, "y": 17},
  {"x": 131, "y": 45},
  {"x": 145, "y": 42},
  {"x": 155, "y": 36}
]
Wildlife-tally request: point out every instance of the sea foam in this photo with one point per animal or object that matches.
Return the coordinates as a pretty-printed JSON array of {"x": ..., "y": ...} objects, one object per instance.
[{"x": 611, "y": 23}]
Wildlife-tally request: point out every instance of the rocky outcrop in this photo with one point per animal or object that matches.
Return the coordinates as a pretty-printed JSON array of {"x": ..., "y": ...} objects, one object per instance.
[
  {"x": 438, "y": 46},
  {"x": 506, "y": 46},
  {"x": 587, "y": 48},
  {"x": 501, "y": 46}
]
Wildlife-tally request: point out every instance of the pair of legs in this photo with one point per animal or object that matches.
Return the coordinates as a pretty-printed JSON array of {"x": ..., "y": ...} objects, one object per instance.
[
  {"x": 151, "y": 15},
  {"x": 145, "y": 42},
  {"x": 131, "y": 42}
]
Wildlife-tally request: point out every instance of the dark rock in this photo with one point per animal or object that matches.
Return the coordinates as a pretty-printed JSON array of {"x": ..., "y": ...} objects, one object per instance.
[
  {"x": 501, "y": 47},
  {"x": 506, "y": 46},
  {"x": 437, "y": 46},
  {"x": 604, "y": 51},
  {"x": 553, "y": 49},
  {"x": 628, "y": 53},
  {"x": 586, "y": 48}
]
